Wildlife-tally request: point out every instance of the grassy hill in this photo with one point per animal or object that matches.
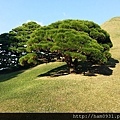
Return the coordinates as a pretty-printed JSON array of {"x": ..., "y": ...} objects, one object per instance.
[
  {"x": 26, "y": 91},
  {"x": 113, "y": 28}
]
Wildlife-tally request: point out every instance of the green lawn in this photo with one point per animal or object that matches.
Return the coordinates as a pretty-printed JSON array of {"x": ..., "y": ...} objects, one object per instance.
[{"x": 26, "y": 92}]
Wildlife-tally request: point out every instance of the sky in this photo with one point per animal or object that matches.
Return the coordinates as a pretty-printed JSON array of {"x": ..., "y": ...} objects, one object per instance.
[{"x": 14, "y": 13}]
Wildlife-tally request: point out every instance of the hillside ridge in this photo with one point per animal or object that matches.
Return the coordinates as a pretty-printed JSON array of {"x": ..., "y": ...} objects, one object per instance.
[{"x": 115, "y": 18}]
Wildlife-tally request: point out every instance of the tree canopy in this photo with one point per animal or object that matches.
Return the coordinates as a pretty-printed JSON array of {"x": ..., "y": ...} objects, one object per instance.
[
  {"x": 13, "y": 44},
  {"x": 72, "y": 39}
]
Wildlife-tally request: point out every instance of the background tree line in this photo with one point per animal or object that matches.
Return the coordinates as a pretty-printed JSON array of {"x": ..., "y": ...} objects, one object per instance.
[{"x": 72, "y": 40}]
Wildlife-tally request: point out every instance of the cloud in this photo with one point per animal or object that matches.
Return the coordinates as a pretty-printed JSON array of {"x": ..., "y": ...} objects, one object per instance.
[{"x": 64, "y": 14}]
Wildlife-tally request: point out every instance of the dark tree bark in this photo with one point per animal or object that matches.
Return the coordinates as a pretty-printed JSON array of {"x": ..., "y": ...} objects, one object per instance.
[
  {"x": 68, "y": 60},
  {"x": 75, "y": 63}
]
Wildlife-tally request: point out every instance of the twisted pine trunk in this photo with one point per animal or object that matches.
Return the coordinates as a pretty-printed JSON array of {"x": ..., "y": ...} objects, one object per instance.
[{"x": 68, "y": 60}]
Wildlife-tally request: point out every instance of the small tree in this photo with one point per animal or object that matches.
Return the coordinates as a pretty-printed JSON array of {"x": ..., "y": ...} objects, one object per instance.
[{"x": 19, "y": 37}]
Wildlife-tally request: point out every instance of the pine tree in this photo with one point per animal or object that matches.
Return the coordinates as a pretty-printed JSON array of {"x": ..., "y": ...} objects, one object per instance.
[{"x": 72, "y": 39}]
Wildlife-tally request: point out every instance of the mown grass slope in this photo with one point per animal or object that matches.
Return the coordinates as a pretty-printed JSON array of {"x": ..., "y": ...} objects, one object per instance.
[
  {"x": 113, "y": 28},
  {"x": 25, "y": 91}
]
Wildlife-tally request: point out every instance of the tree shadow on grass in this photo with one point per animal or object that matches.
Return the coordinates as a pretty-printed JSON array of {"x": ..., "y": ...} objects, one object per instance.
[
  {"x": 112, "y": 63},
  {"x": 59, "y": 71},
  {"x": 86, "y": 68},
  {"x": 105, "y": 69},
  {"x": 10, "y": 73},
  {"x": 7, "y": 76}
]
